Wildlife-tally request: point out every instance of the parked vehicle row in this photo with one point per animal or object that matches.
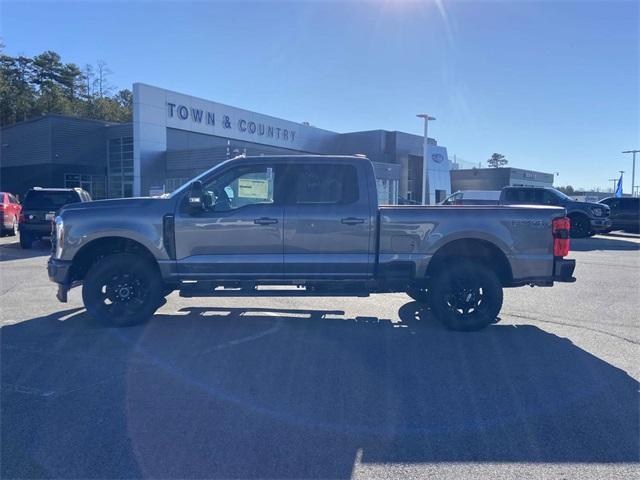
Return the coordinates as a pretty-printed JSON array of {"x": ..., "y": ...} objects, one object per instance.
[
  {"x": 586, "y": 218},
  {"x": 10, "y": 210},
  {"x": 625, "y": 213},
  {"x": 34, "y": 217},
  {"x": 311, "y": 223},
  {"x": 40, "y": 207}
]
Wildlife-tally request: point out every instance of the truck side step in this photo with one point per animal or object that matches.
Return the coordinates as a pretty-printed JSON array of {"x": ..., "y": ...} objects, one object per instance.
[{"x": 196, "y": 290}]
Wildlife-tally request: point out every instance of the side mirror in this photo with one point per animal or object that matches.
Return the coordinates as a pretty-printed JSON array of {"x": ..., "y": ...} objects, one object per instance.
[{"x": 195, "y": 200}]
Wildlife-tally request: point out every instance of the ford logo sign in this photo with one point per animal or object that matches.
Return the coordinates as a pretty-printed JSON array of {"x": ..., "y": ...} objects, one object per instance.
[{"x": 437, "y": 157}]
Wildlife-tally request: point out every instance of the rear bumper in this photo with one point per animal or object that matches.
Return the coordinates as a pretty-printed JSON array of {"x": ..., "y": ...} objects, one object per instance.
[
  {"x": 563, "y": 270},
  {"x": 35, "y": 230}
]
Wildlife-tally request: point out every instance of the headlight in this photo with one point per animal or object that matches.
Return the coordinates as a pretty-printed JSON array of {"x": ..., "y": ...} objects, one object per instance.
[
  {"x": 59, "y": 236},
  {"x": 597, "y": 211}
]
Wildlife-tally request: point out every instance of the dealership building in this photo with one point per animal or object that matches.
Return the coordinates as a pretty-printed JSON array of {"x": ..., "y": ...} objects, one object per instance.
[
  {"x": 497, "y": 178},
  {"x": 174, "y": 137}
]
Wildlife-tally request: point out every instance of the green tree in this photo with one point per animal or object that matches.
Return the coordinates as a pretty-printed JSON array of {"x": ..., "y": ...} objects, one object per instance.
[
  {"x": 47, "y": 69},
  {"x": 17, "y": 93},
  {"x": 497, "y": 160},
  {"x": 44, "y": 84}
]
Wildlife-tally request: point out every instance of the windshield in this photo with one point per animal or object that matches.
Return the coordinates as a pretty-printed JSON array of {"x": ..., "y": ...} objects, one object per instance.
[
  {"x": 44, "y": 200},
  {"x": 204, "y": 174},
  {"x": 561, "y": 195}
]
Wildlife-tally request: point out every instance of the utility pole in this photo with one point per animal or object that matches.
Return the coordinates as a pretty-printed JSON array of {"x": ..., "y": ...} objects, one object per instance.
[
  {"x": 425, "y": 157},
  {"x": 633, "y": 171}
]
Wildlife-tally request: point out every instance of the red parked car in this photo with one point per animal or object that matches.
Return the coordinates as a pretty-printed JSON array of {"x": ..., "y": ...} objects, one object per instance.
[{"x": 10, "y": 210}]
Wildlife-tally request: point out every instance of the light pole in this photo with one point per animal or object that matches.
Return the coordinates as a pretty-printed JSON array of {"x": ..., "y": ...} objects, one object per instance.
[
  {"x": 633, "y": 171},
  {"x": 425, "y": 157},
  {"x": 614, "y": 180}
]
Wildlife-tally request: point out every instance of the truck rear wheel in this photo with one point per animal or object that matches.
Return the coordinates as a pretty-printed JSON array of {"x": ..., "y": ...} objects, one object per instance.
[
  {"x": 122, "y": 290},
  {"x": 466, "y": 296},
  {"x": 25, "y": 241}
]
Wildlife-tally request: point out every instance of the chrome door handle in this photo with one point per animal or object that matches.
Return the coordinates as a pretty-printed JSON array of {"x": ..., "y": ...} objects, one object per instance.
[
  {"x": 265, "y": 221},
  {"x": 352, "y": 220}
]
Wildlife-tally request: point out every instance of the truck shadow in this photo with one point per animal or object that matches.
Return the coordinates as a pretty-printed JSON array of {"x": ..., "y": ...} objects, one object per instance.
[{"x": 285, "y": 393}]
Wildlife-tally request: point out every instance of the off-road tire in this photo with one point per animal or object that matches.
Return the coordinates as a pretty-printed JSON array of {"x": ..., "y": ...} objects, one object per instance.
[
  {"x": 580, "y": 227},
  {"x": 122, "y": 289},
  {"x": 466, "y": 296},
  {"x": 26, "y": 241}
]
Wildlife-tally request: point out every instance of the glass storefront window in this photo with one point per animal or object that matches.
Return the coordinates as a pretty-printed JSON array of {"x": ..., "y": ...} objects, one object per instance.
[
  {"x": 94, "y": 184},
  {"x": 120, "y": 167}
]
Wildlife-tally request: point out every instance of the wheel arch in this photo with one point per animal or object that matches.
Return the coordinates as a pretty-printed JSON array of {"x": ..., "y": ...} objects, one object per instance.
[
  {"x": 101, "y": 247},
  {"x": 479, "y": 250},
  {"x": 577, "y": 213}
]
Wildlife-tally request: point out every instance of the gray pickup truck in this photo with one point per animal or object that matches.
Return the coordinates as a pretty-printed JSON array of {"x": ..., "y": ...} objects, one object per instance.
[{"x": 302, "y": 226}]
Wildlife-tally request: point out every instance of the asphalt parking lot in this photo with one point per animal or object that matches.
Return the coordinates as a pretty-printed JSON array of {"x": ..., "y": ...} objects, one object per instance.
[{"x": 325, "y": 387}]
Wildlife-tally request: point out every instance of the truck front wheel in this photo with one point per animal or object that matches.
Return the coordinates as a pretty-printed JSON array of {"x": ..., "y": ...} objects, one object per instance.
[
  {"x": 579, "y": 226},
  {"x": 122, "y": 290},
  {"x": 466, "y": 296}
]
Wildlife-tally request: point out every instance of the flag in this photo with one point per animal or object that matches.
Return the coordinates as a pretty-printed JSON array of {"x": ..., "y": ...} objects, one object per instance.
[{"x": 619, "y": 187}]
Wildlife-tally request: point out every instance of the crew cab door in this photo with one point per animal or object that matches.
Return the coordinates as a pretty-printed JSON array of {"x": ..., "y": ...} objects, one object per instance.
[
  {"x": 327, "y": 222},
  {"x": 240, "y": 235}
]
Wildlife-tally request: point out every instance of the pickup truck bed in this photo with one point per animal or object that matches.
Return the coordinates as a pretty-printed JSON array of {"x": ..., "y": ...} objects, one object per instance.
[{"x": 411, "y": 235}]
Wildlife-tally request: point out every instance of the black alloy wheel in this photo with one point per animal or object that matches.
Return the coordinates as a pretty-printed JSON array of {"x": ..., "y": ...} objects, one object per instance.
[
  {"x": 122, "y": 289},
  {"x": 466, "y": 296},
  {"x": 579, "y": 226}
]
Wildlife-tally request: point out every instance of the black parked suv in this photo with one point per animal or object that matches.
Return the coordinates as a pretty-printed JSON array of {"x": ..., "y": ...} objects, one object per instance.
[
  {"x": 625, "y": 213},
  {"x": 587, "y": 218},
  {"x": 40, "y": 207}
]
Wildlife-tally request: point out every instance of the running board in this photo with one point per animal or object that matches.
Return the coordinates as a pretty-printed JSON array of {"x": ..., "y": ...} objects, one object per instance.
[{"x": 188, "y": 291}]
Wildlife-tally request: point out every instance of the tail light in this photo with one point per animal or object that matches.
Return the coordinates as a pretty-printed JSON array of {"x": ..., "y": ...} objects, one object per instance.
[{"x": 560, "y": 228}]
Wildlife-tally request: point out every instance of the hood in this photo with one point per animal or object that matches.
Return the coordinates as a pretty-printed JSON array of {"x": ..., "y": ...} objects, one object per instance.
[
  {"x": 115, "y": 203},
  {"x": 592, "y": 205},
  {"x": 589, "y": 206}
]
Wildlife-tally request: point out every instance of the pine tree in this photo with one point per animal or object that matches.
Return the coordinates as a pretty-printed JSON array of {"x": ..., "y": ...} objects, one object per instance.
[{"x": 497, "y": 160}]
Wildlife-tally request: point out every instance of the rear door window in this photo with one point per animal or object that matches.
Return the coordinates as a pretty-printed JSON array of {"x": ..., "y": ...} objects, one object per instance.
[
  {"x": 547, "y": 198},
  {"x": 521, "y": 195},
  {"x": 324, "y": 184}
]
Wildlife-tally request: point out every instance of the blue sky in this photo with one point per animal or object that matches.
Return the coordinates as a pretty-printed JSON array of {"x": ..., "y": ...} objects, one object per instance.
[{"x": 553, "y": 86}]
